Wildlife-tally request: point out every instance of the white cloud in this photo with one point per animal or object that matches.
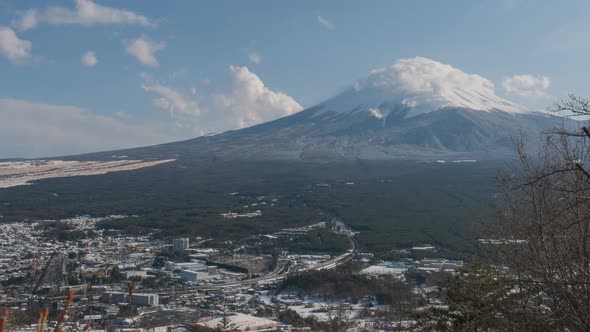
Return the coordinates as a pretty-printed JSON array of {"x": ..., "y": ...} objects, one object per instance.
[
  {"x": 249, "y": 101},
  {"x": 13, "y": 48},
  {"x": 245, "y": 102},
  {"x": 85, "y": 12},
  {"x": 527, "y": 85},
  {"x": 173, "y": 101},
  {"x": 326, "y": 23},
  {"x": 28, "y": 20},
  {"x": 255, "y": 57},
  {"x": 89, "y": 59},
  {"x": 428, "y": 85},
  {"x": 29, "y": 129},
  {"x": 143, "y": 49}
]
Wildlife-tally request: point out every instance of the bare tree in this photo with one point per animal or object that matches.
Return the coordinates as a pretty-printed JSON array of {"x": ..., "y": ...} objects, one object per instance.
[{"x": 543, "y": 233}]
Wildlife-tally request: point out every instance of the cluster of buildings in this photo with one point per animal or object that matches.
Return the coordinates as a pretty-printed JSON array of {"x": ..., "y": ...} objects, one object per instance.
[
  {"x": 298, "y": 231},
  {"x": 398, "y": 269},
  {"x": 137, "y": 283}
]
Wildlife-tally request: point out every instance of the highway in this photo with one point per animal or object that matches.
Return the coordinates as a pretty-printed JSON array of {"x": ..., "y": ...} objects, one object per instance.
[{"x": 278, "y": 274}]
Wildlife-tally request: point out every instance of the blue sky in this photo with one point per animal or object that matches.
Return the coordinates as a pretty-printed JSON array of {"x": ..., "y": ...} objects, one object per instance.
[{"x": 166, "y": 70}]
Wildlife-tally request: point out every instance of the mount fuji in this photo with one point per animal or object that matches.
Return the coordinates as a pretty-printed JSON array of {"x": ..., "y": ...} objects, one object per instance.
[
  {"x": 413, "y": 109},
  {"x": 364, "y": 154}
]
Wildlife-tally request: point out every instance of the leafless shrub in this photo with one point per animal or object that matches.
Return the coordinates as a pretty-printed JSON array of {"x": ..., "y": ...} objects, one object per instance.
[{"x": 544, "y": 222}]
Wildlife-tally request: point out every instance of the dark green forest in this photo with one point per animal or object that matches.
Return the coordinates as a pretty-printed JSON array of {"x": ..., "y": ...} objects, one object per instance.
[{"x": 391, "y": 204}]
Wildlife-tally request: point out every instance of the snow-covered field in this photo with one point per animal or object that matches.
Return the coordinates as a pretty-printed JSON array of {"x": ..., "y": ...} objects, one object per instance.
[{"x": 19, "y": 173}]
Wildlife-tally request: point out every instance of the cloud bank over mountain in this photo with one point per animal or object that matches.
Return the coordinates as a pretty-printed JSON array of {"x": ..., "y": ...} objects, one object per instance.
[{"x": 427, "y": 85}]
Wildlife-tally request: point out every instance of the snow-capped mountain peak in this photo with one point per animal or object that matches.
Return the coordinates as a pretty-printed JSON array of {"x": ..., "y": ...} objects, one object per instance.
[{"x": 421, "y": 85}]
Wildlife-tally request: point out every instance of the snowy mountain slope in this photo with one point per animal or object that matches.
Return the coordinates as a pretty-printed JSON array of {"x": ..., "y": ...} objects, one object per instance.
[
  {"x": 449, "y": 132},
  {"x": 314, "y": 136}
]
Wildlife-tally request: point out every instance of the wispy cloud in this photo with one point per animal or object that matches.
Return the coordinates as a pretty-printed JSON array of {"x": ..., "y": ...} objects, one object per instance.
[
  {"x": 326, "y": 23},
  {"x": 144, "y": 49},
  {"x": 255, "y": 57},
  {"x": 29, "y": 129},
  {"x": 172, "y": 100},
  {"x": 122, "y": 115},
  {"x": 85, "y": 12}
]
